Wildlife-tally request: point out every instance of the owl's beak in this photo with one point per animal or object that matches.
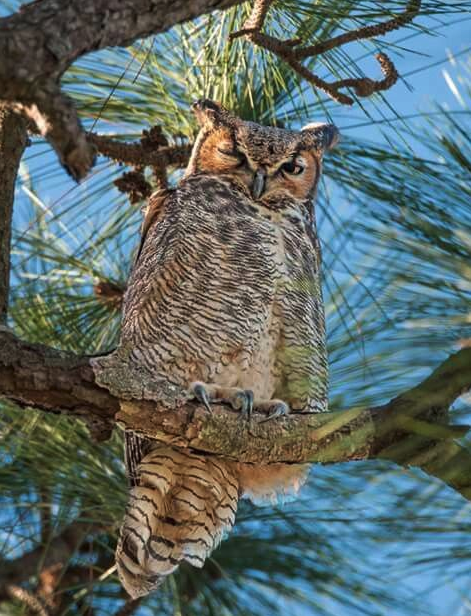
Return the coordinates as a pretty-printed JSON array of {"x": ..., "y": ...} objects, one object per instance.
[{"x": 258, "y": 185}]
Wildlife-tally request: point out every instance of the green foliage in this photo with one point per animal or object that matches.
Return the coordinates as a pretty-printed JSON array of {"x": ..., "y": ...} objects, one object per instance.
[{"x": 391, "y": 314}]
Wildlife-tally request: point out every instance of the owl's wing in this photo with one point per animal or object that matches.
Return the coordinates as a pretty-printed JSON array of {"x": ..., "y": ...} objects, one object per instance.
[
  {"x": 303, "y": 353},
  {"x": 135, "y": 446},
  {"x": 154, "y": 206}
]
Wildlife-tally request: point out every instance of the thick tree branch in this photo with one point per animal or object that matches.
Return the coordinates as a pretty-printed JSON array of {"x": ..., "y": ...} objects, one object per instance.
[
  {"x": 41, "y": 40},
  {"x": 13, "y": 138},
  {"x": 412, "y": 429},
  {"x": 32, "y": 375},
  {"x": 355, "y": 434}
]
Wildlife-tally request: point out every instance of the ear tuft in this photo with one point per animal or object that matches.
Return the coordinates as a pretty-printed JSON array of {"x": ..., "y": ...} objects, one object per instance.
[
  {"x": 321, "y": 136},
  {"x": 207, "y": 111}
]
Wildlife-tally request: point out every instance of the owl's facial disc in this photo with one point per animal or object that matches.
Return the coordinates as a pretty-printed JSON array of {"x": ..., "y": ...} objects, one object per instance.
[
  {"x": 271, "y": 163},
  {"x": 289, "y": 173}
]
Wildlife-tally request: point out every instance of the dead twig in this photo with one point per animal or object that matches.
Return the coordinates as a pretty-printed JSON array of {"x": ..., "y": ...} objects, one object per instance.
[
  {"x": 152, "y": 150},
  {"x": 139, "y": 154},
  {"x": 293, "y": 53}
]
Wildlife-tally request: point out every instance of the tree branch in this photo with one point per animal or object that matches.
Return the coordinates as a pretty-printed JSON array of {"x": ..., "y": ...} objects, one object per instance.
[
  {"x": 59, "y": 551},
  {"x": 141, "y": 153},
  {"x": 41, "y": 40},
  {"x": 151, "y": 151},
  {"x": 412, "y": 429},
  {"x": 32, "y": 375},
  {"x": 13, "y": 138},
  {"x": 293, "y": 53}
]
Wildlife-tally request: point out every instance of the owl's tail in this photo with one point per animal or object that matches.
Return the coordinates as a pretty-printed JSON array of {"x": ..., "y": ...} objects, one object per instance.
[{"x": 180, "y": 510}]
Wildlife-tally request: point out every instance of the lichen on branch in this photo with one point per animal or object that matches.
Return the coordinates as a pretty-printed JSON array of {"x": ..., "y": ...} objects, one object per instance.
[{"x": 413, "y": 429}]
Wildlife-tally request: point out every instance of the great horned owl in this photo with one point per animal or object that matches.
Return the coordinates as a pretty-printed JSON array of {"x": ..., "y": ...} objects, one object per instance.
[{"x": 224, "y": 300}]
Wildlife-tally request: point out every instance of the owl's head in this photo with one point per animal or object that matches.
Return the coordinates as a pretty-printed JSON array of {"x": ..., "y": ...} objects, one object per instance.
[{"x": 268, "y": 163}]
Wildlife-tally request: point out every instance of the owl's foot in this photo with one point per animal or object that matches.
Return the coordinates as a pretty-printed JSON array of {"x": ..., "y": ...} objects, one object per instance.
[
  {"x": 239, "y": 399},
  {"x": 273, "y": 408}
]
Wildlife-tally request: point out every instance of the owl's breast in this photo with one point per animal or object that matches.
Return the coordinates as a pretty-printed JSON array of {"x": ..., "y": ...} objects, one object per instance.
[
  {"x": 296, "y": 238},
  {"x": 200, "y": 300}
]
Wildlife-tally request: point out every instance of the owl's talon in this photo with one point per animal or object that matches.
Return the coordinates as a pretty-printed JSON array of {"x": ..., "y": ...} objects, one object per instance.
[
  {"x": 246, "y": 398},
  {"x": 241, "y": 400},
  {"x": 281, "y": 409},
  {"x": 201, "y": 395}
]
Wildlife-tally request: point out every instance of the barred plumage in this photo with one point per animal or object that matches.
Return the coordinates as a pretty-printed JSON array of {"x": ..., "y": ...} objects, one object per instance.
[
  {"x": 225, "y": 299},
  {"x": 179, "y": 510}
]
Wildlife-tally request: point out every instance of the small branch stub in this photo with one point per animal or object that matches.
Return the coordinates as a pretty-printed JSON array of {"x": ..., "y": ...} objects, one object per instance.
[{"x": 135, "y": 185}]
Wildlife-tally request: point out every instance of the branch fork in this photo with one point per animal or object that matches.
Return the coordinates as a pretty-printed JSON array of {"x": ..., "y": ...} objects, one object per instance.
[{"x": 293, "y": 53}]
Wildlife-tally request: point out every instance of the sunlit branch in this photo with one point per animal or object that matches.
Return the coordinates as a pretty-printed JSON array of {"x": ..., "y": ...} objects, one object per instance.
[
  {"x": 292, "y": 52},
  {"x": 412, "y": 429}
]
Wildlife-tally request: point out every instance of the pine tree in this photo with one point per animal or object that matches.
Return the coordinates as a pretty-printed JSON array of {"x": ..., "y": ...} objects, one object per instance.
[{"x": 360, "y": 530}]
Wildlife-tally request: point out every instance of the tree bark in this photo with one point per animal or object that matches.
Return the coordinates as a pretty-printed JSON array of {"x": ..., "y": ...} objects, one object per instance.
[
  {"x": 41, "y": 40},
  {"x": 32, "y": 375},
  {"x": 13, "y": 138},
  {"x": 412, "y": 429}
]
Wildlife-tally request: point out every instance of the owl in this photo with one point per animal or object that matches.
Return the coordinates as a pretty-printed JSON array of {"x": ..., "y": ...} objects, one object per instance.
[{"x": 224, "y": 300}]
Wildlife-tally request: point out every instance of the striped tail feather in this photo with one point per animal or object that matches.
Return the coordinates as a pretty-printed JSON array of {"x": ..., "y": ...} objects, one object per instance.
[{"x": 181, "y": 505}]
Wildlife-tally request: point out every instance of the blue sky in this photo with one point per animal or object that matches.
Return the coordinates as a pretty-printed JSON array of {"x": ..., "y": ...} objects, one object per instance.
[
  {"x": 428, "y": 88},
  {"x": 442, "y": 595}
]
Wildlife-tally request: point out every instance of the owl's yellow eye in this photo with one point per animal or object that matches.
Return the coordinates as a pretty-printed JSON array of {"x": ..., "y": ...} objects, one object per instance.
[{"x": 292, "y": 168}]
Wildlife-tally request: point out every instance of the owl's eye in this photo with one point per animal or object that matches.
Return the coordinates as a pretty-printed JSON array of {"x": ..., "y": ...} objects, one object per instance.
[
  {"x": 228, "y": 152},
  {"x": 292, "y": 168},
  {"x": 239, "y": 156}
]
